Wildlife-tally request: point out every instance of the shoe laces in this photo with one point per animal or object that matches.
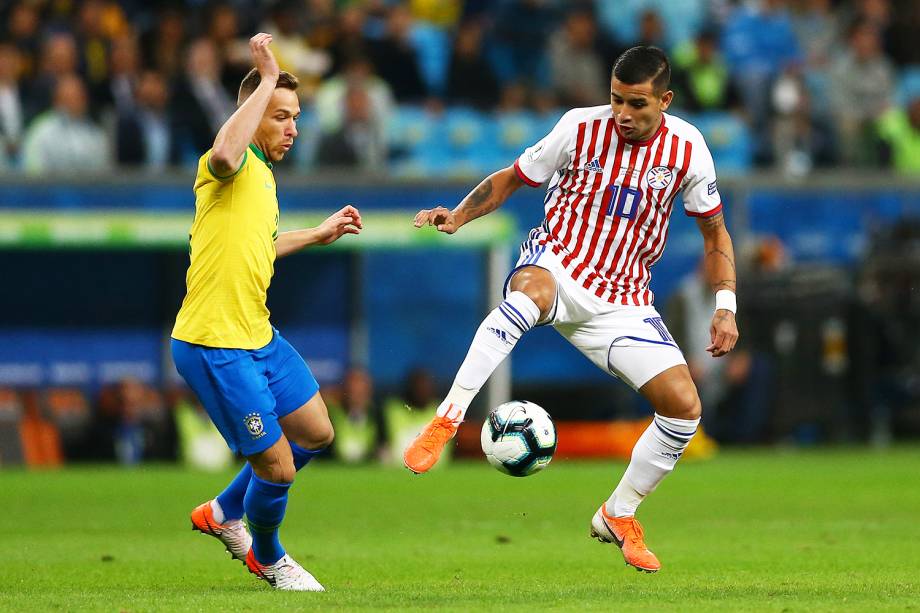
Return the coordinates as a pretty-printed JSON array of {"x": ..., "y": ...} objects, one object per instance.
[
  {"x": 431, "y": 434},
  {"x": 635, "y": 534}
]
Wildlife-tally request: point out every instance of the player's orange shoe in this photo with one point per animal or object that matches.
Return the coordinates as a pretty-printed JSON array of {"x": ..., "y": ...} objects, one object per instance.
[
  {"x": 626, "y": 532},
  {"x": 232, "y": 534},
  {"x": 424, "y": 451}
]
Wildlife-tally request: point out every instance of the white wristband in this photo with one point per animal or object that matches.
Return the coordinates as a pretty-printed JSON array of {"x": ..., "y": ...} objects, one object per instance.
[{"x": 725, "y": 299}]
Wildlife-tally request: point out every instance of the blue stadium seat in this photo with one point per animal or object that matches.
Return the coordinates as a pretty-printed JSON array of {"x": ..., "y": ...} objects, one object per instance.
[
  {"x": 908, "y": 84},
  {"x": 514, "y": 132},
  {"x": 467, "y": 130},
  {"x": 729, "y": 140},
  {"x": 410, "y": 128}
]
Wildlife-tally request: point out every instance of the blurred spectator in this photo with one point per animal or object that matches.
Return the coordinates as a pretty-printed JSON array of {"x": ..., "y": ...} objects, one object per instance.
[
  {"x": 470, "y": 79},
  {"x": 861, "y": 88},
  {"x": 359, "y": 142},
  {"x": 232, "y": 48},
  {"x": 163, "y": 44},
  {"x": 899, "y": 130},
  {"x": 701, "y": 79},
  {"x": 59, "y": 58},
  {"x": 330, "y": 98},
  {"x": 200, "y": 104},
  {"x": 355, "y": 418},
  {"x": 395, "y": 58},
  {"x": 759, "y": 44},
  {"x": 405, "y": 416},
  {"x": 64, "y": 140},
  {"x": 901, "y": 35},
  {"x": 117, "y": 89},
  {"x": 143, "y": 136},
  {"x": 651, "y": 30},
  {"x": 200, "y": 444},
  {"x": 21, "y": 29},
  {"x": 577, "y": 70},
  {"x": 291, "y": 48},
  {"x": 522, "y": 30},
  {"x": 443, "y": 13},
  {"x": 802, "y": 138},
  {"x": 816, "y": 31},
  {"x": 11, "y": 102},
  {"x": 350, "y": 41},
  {"x": 92, "y": 43}
]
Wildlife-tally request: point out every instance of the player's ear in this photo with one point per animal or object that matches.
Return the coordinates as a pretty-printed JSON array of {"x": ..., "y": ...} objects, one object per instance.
[{"x": 666, "y": 99}]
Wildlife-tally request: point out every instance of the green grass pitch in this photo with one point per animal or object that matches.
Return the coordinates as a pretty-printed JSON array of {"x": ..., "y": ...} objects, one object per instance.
[{"x": 766, "y": 530}]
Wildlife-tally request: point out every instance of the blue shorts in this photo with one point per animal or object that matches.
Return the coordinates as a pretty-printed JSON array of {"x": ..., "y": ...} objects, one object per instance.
[{"x": 246, "y": 392}]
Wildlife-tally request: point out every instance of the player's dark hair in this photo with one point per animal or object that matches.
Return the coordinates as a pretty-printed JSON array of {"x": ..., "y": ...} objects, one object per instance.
[
  {"x": 251, "y": 81},
  {"x": 643, "y": 63}
]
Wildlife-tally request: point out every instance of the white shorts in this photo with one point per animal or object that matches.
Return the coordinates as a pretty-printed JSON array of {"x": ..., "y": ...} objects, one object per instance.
[{"x": 629, "y": 342}]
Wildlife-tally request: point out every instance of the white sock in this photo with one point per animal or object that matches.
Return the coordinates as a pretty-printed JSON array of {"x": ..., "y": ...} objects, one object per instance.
[
  {"x": 654, "y": 456},
  {"x": 497, "y": 335},
  {"x": 218, "y": 511}
]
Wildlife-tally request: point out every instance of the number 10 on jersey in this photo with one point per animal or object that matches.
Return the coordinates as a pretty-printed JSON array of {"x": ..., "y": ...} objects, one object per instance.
[{"x": 624, "y": 201}]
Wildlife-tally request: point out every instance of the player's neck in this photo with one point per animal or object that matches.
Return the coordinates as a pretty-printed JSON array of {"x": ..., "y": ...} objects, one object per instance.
[{"x": 651, "y": 133}]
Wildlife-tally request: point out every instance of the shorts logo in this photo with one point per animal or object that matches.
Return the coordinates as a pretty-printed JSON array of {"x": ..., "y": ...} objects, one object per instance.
[
  {"x": 253, "y": 423},
  {"x": 712, "y": 188},
  {"x": 659, "y": 177}
]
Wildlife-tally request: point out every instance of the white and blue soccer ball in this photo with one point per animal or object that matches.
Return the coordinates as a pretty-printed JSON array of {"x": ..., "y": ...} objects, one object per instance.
[{"x": 518, "y": 438}]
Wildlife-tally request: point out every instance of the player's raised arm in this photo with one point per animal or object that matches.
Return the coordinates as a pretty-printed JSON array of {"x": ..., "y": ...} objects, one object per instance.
[
  {"x": 234, "y": 137},
  {"x": 488, "y": 196},
  {"x": 719, "y": 266}
]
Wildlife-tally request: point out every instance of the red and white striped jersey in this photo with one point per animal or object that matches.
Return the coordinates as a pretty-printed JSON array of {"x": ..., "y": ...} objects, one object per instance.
[{"x": 609, "y": 200}]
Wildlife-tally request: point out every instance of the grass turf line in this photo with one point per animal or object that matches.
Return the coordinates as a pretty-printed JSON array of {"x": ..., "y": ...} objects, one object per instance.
[{"x": 762, "y": 530}]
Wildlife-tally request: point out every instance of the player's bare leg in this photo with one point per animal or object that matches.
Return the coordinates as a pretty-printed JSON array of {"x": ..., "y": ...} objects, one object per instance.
[
  {"x": 530, "y": 299},
  {"x": 677, "y": 415}
]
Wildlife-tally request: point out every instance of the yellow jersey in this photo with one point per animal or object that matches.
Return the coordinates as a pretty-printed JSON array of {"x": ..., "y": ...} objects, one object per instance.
[{"x": 232, "y": 256}]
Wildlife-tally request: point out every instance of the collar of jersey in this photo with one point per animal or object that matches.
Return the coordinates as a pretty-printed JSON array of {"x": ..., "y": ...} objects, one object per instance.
[{"x": 258, "y": 153}]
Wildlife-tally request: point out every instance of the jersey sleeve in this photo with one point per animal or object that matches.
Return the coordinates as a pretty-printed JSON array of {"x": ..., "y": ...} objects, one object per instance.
[
  {"x": 701, "y": 193},
  {"x": 553, "y": 152},
  {"x": 224, "y": 178}
]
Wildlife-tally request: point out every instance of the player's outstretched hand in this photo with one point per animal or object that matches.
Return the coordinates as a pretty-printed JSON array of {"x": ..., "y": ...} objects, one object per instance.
[
  {"x": 723, "y": 333},
  {"x": 262, "y": 56},
  {"x": 439, "y": 217},
  {"x": 345, "y": 221}
]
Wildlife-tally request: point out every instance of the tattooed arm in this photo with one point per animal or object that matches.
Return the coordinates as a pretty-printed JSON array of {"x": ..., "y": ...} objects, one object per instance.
[
  {"x": 488, "y": 196},
  {"x": 719, "y": 266}
]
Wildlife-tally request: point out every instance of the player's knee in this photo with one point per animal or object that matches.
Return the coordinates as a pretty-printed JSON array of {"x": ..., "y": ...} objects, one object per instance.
[
  {"x": 686, "y": 404},
  {"x": 278, "y": 472},
  {"x": 319, "y": 437},
  {"x": 538, "y": 285},
  {"x": 681, "y": 401}
]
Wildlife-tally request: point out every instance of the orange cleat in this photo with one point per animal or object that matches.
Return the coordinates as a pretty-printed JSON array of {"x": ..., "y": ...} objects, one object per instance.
[
  {"x": 232, "y": 534},
  {"x": 626, "y": 532},
  {"x": 424, "y": 451}
]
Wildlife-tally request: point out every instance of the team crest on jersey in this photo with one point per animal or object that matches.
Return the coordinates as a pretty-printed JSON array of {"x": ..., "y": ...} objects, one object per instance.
[
  {"x": 253, "y": 423},
  {"x": 659, "y": 177}
]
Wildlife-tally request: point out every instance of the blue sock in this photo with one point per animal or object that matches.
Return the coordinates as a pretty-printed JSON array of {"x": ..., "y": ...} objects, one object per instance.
[
  {"x": 302, "y": 456},
  {"x": 231, "y": 499},
  {"x": 264, "y": 504}
]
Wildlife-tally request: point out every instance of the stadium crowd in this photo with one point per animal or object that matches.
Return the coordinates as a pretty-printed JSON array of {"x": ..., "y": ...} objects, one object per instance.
[{"x": 86, "y": 85}]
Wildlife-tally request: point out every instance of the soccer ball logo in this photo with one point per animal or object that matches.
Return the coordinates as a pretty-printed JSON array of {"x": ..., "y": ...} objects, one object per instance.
[
  {"x": 659, "y": 177},
  {"x": 253, "y": 423}
]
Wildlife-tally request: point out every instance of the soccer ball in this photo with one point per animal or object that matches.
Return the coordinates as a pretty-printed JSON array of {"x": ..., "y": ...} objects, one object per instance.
[{"x": 518, "y": 438}]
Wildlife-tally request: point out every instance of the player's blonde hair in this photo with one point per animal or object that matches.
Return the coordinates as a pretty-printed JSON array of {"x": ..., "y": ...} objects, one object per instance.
[{"x": 251, "y": 81}]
